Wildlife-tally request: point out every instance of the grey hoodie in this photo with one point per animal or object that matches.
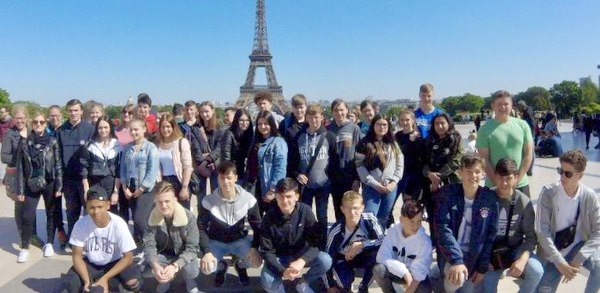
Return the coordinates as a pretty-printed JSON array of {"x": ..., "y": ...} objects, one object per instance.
[
  {"x": 326, "y": 161},
  {"x": 588, "y": 224},
  {"x": 347, "y": 136}
]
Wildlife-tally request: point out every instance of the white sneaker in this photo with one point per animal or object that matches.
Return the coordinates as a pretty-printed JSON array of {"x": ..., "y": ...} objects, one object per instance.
[
  {"x": 23, "y": 255},
  {"x": 302, "y": 287},
  {"x": 48, "y": 250}
]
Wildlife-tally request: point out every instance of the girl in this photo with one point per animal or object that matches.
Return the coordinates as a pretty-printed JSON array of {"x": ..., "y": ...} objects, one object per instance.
[
  {"x": 379, "y": 165},
  {"x": 138, "y": 172},
  {"x": 122, "y": 132},
  {"x": 175, "y": 158},
  {"x": 93, "y": 111},
  {"x": 237, "y": 140},
  {"x": 443, "y": 151},
  {"x": 410, "y": 142},
  {"x": 100, "y": 161},
  {"x": 210, "y": 135},
  {"x": 39, "y": 174},
  {"x": 267, "y": 159}
]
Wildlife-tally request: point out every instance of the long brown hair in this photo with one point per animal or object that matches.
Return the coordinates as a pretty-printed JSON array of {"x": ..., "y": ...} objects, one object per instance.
[
  {"x": 376, "y": 148},
  {"x": 177, "y": 134},
  {"x": 214, "y": 122}
]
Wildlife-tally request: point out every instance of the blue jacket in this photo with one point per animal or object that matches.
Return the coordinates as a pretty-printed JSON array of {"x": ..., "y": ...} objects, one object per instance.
[
  {"x": 272, "y": 162},
  {"x": 450, "y": 206},
  {"x": 146, "y": 165}
]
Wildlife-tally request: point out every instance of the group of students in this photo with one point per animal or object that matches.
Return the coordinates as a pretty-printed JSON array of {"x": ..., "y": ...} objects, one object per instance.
[{"x": 258, "y": 171}]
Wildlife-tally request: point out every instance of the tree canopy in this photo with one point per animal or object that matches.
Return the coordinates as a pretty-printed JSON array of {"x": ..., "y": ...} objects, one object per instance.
[
  {"x": 466, "y": 103},
  {"x": 566, "y": 96},
  {"x": 536, "y": 97},
  {"x": 4, "y": 97}
]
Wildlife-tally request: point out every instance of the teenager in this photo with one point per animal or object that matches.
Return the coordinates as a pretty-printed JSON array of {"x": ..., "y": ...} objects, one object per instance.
[
  {"x": 347, "y": 137},
  {"x": 39, "y": 174},
  {"x": 171, "y": 242},
  {"x": 410, "y": 142},
  {"x": 567, "y": 225},
  {"x": 367, "y": 108},
  {"x": 222, "y": 232},
  {"x": 264, "y": 102},
  {"x": 352, "y": 243},
  {"x": 100, "y": 161},
  {"x": 287, "y": 243},
  {"x": 102, "y": 250},
  {"x": 228, "y": 116},
  {"x": 424, "y": 115},
  {"x": 405, "y": 256},
  {"x": 292, "y": 125},
  {"x": 93, "y": 111},
  {"x": 175, "y": 158},
  {"x": 314, "y": 163},
  {"x": 515, "y": 239},
  {"x": 72, "y": 137},
  {"x": 379, "y": 165},
  {"x": 465, "y": 225},
  {"x": 505, "y": 136},
  {"x": 210, "y": 136},
  {"x": 54, "y": 119},
  {"x": 236, "y": 142},
  {"x": 267, "y": 160},
  {"x": 122, "y": 133},
  {"x": 144, "y": 106},
  {"x": 139, "y": 172}
]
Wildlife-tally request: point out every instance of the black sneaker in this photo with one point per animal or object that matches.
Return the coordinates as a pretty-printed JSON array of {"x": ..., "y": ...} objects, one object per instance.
[
  {"x": 220, "y": 274},
  {"x": 242, "y": 274}
]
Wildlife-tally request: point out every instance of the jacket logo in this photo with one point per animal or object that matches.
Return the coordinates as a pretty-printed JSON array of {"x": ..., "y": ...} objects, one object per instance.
[{"x": 484, "y": 212}]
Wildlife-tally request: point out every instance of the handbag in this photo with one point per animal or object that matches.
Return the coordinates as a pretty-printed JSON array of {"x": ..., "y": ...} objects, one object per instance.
[
  {"x": 501, "y": 252},
  {"x": 566, "y": 236},
  {"x": 206, "y": 168},
  {"x": 194, "y": 184},
  {"x": 311, "y": 163},
  {"x": 37, "y": 184}
]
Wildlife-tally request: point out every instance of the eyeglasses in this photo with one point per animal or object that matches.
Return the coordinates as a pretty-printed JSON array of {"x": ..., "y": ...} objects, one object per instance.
[
  {"x": 39, "y": 122},
  {"x": 382, "y": 125},
  {"x": 244, "y": 120},
  {"x": 569, "y": 174}
]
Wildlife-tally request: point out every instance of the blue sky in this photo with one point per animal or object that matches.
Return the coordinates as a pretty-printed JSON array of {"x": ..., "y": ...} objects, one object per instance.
[{"x": 109, "y": 50}]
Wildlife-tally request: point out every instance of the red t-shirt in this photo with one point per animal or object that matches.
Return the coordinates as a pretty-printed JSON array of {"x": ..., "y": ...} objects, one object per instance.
[{"x": 151, "y": 123}]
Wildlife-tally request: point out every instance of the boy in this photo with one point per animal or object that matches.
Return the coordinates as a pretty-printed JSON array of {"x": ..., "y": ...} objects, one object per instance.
[
  {"x": 515, "y": 240},
  {"x": 222, "y": 218},
  {"x": 294, "y": 124},
  {"x": 102, "y": 249},
  {"x": 464, "y": 227},
  {"x": 228, "y": 117},
  {"x": 287, "y": 242},
  {"x": 405, "y": 256},
  {"x": 313, "y": 163},
  {"x": 352, "y": 243},
  {"x": 567, "y": 225},
  {"x": 264, "y": 102},
  {"x": 144, "y": 105},
  {"x": 171, "y": 242},
  {"x": 424, "y": 115}
]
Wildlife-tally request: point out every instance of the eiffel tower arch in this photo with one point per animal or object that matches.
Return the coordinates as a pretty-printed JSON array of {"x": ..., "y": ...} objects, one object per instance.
[{"x": 261, "y": 58}]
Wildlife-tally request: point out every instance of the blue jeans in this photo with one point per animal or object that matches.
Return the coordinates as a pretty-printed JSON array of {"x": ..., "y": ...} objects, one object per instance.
[
  {"x": 532, "y": 274},
  {"x": 321, "y": 196},
  {"x": 239, "y": 248},
  {"x": 318, "y": 267},
  {"x": 552, "y": 275},
  {"x": 379, "y": 204}
]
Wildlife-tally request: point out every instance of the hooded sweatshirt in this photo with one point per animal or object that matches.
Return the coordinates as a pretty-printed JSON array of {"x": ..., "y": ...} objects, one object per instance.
[
  {"x": 325, "y": 162},
  {"x": 401, "y": 255},
  {"x": 347, "y": 136}
]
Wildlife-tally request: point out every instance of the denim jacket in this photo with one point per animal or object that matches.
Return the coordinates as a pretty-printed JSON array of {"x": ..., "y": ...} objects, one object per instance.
[
  {"x": 146, "y": 163},
  {"x": 272, "y": 159}
]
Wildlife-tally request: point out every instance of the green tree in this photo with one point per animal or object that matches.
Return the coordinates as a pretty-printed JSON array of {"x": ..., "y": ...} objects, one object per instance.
[
  {"x": 449, "y": 104},
  {"x": 394, "y": 111},
  {"x": 537, "y": 97},
  {"x": 567, "y": 96},
  {"x": 467, "y": 103},
  {"x": 4, "y": 97},
  {"x": 32, "y": 107},
  {"x": 589, "y": 91}
]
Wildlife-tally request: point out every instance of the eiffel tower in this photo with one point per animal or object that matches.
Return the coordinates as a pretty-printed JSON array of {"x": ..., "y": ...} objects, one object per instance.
[{"x": 261, "y": 57}]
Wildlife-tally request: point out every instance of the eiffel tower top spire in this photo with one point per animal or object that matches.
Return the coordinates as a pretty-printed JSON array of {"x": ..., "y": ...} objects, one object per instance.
[{"x": 261, "y": 41}]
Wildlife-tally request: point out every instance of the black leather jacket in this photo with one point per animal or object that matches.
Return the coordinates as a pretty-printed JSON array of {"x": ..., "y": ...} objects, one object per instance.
[
  {"x": 10, "y": 143},
  {"x": 52, "y": 162}
]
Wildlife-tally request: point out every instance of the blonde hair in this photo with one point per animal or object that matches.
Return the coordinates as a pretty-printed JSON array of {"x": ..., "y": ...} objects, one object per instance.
[
  {"x": 351, "y": 197},
  {"x": 426, "y": 88}
]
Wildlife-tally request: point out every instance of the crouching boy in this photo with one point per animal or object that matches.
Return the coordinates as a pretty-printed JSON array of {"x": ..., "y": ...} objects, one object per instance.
[
  {"x": 102, "y": 250},
  {"x": 405, "y": 256},
  {"x": 465, "y": 227},
  {"x": 171, "y": 241},
  {"x": 352, "y": 243},
  {"x": 288, "y": 242}
]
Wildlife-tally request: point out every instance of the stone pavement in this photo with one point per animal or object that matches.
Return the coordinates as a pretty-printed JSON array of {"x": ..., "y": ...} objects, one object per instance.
[{"x": 43, "y": 275}]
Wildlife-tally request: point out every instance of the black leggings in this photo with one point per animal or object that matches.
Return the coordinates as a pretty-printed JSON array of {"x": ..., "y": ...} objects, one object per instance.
[{"x": 27, "y": 212}]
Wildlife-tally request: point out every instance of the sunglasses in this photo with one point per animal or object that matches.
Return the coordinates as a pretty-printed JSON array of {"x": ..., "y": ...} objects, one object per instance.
[
  {"x": 128, "y": 112},
  {"x": 39, "y": 122},
  {"x": 569, "y": 174}
]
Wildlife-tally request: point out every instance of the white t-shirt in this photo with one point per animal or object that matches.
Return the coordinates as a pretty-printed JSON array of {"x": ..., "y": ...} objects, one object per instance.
[
  {"x": 565, "y": 209},
  {"x": 359, "y": 235},
  {"x": 464, "y": 233},
  {"x": 167, "y": 167},
  {"x": 102, "y": 245}
]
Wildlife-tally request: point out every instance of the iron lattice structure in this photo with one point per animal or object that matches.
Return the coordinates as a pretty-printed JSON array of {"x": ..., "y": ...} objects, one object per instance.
[{"x": 261, "y": 57}]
